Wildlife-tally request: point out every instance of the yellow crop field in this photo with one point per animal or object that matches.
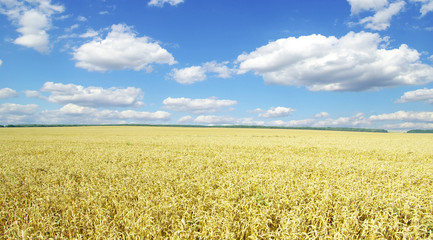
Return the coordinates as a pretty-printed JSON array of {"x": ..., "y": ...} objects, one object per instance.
[{"x": 205, "y": 183}]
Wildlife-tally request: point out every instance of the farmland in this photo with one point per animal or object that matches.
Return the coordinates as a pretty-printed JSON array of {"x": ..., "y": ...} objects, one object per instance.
[{"x": 203, "y": 183}]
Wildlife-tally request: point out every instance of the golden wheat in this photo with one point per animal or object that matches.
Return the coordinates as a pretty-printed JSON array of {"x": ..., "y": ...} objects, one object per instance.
[{"x": 199, "y": 183}]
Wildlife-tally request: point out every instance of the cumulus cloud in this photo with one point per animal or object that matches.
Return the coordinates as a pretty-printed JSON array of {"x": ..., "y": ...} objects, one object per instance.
[
  {"x": 160, "y": 3},
  {"x": 89, "y": 34},
  {"x": 249, "y": 121},
  {"x": 405, "y": 120},
  {"x": 186, "y": 119},
  {"x": 426, "y": 6},
  {"x": 71, "y": 113},
  {"x": 1, "y": 62},
  {"x": 12, "y": 108},
  {"x": 322, "y": 115},
  {"x": 275, "y": 112},
  {"x": 148, "y": 116},
  {"x": 358, "y": 6},
  {"x": 293, "y": 123},
  {"x": 190, "y": 75},
  {"x": 355, "y": 62},
  {"x": 409, "y": 125},
  {"x": 121, "y": 49},
  {"x": 221, "y": 69},
  {"x": 420, "y": 95},
  {"x": 197, "y": 106},
  {"x": 82, "y": 19},
  {"x": 71, "y": 28},
  {"x": 92, "y": 96},
  {"x": 404, "y": 116},
  {"x": 34, "y": 94},
  {"x": 72, "y": 109},
  {"x": 33, "y": 19},
  {"x": 358, "y": 120},
  {"x": 381, "y": 20},
  {"x": 212, "y": 119},
  {"x": 383, "y": 12},
  {"x": 218, "y": 120},
  {"x": 7, "y": 93},
  {"x": 11, "y": 113},
  {"x": 225, "y": 120}
]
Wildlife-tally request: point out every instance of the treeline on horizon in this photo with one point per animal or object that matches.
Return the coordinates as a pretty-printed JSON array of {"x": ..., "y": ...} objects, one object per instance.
[
  {"x": 201, "y": 126},
  {"x": 420, "y": 131}
]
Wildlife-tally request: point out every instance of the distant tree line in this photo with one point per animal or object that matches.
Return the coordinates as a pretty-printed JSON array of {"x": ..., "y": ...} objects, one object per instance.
[
  {"x": 420, "y": 131},
  {"x": 203, "y": 126}
]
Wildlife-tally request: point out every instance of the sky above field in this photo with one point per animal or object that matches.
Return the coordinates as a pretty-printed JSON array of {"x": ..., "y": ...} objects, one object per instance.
[{"x": 294, "y": 63}]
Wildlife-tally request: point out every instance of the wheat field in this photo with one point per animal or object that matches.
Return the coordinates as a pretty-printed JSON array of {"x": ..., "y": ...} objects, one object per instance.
[{"x": 204, "y": 183}]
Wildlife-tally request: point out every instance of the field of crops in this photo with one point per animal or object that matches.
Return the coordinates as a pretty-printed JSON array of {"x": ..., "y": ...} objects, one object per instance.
[{"x": 200, "y": 183}]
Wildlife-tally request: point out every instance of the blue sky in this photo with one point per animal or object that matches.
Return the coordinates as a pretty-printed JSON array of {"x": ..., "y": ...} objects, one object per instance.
[{"x": 341, "y": 63}]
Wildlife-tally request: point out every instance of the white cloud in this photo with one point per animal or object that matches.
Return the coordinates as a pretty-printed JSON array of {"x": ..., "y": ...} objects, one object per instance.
[
  {"x": 63, "y": 17},
  {"x": 72, "y": 113},
  {"x": 34, "y": 20},
  {"x": 322, "y": 115},
  {"x": 72, "y": 109},
  {"x": 34, "y": 94},
  {"x": 409, "y": 125},
  {"x": 383, "y": 12},
  {"x": 148, "y": 116},
  {"x": 212, "y": 119},
  {"x": 1, "y": 62},
  {"x": 293, "y": 123},
  {"x": 420, "y": 95},
  {"x": 33, "y": 31},
  {"x": 11, "y": 113},
  {"x": 186, "y": 119},
  {"x": 249, "y": 121},
  {"x": 218, "y": 120},
  {"x": 190, "y": 75},
  {"x": 71, "y": 28},
  {"x": 121, "y": 49},
  {"x": 381, "y": 19},
  {"x": 404, "y": 116},
  {"x": 12, "y": 108},
  {"x": 197, "y": 106},
  {"x": 257, "y": 110},
  {"x": 93, "y": 96},
  {"x": 358, "y": 6},
  {"x": 276, "y": 112},
  {"x": 7, "y": 93},
  {"x": 89, "y": 34},
  {"x": 426, "y": 6},
  {"x": 352, "y": 63},
  {"x": 357, "y": 120},
  {"x": 225, "y": 120},
  {"x": 220, "y": 68},
  {"x": 81, "y": 18},
  {"x": 160, "y": 3}
]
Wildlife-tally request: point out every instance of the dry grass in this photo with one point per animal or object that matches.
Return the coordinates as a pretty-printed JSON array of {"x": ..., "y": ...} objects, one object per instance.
[{"x": 190, "y": 183}]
